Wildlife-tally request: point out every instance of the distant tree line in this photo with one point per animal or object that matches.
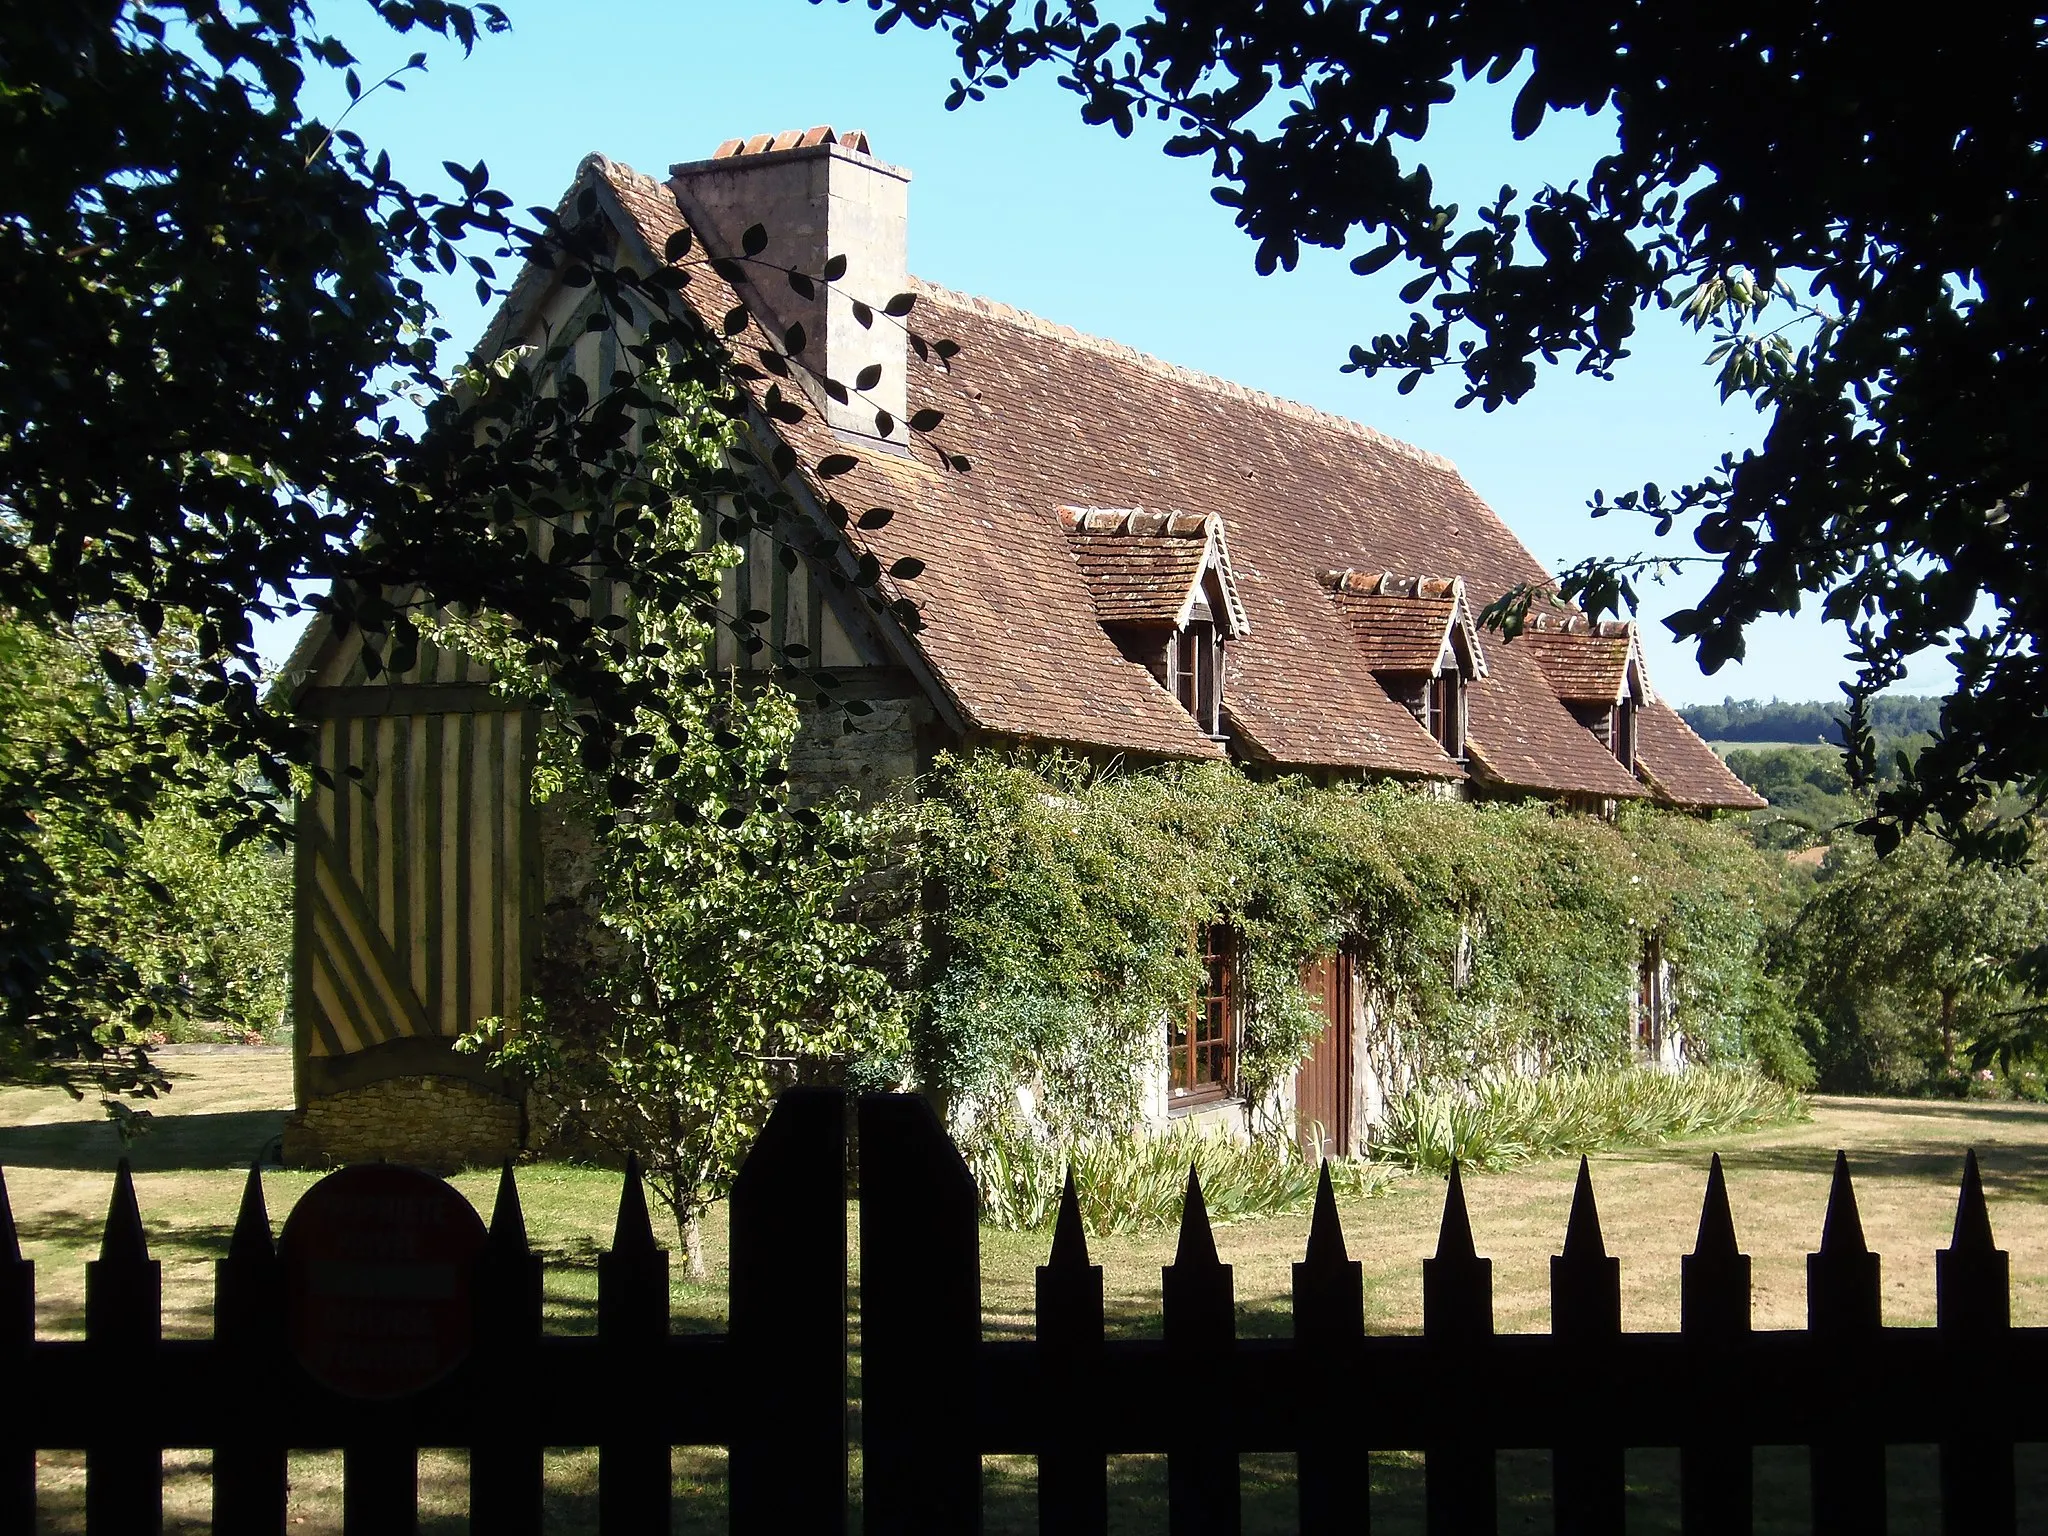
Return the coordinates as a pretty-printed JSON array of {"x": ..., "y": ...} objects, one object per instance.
[{"x": 1817, "y": 721}]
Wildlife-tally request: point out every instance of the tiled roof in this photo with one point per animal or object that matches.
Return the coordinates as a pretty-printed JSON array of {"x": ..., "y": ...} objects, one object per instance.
[
  {"x": 1051, "y": 418},
  {"x": 1143, "y": 567},
  {"x": 1684, "y": 770},
  {"x": 1401, "y": 624},
  {"x": 1520, "y": 736},
  {"x": 1585, "y": 662}
]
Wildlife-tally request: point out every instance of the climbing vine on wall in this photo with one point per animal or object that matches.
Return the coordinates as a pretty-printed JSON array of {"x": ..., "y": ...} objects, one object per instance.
[{"x": 1488, "y": 934}]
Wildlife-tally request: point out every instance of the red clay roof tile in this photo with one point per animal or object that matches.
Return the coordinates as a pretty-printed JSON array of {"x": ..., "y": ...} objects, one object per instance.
[{"x": 1051, "y": 418}]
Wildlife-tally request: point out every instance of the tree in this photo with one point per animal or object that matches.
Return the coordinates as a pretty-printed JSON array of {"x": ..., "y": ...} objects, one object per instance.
[
  {"x": 221, "y": 386},
  {"x": 725, "y": 944},
  {"x": 1852, "y": 211},
  {"x": 1910, "y": 966},
  {"x": 158, "y": 930}
]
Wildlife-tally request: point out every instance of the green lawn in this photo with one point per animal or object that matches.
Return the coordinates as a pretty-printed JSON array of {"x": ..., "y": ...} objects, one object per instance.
[{"x": 228, "y": 1106}]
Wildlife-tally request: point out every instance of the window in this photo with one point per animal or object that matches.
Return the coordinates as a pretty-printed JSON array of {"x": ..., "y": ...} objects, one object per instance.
[
  {"x": 1199, "y": 1045},
  {"x": 1443, "y": 712},
  {"x": 1621, "y": 734},
  {"x": 1197, "y": 657}
]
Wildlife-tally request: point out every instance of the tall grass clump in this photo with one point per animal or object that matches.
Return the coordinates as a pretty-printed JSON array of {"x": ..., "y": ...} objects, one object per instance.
[
  {"x": 1135, "y": 1183},
  {"x": 1504, "y": 1120}
]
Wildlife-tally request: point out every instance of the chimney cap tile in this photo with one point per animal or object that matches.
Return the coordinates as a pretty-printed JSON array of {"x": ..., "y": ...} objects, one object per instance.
[{"x": 794, "y": 138}]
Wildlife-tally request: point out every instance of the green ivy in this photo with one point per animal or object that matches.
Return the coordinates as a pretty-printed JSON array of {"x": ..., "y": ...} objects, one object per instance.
[{"x": 1491, "y": 934}]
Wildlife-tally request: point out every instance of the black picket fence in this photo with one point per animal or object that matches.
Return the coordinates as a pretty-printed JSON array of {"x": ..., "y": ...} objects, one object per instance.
[{"x": 937, "y": 1396}]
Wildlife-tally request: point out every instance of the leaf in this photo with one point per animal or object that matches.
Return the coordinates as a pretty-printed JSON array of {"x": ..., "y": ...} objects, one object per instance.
[
  {"x": 900, "y": 305},
  {"x": 875, "y": 517},
  {"x": 885, "y": 424},
  {"x": 868, "y": 377},
  {"x": 1529, "y": 107},
  {"x": 794, "y": 339},
  {"x": 835, "y": 268},
  {"x": 835, "y": 464},
  {"x": 909, "y": 568},
  {"x": 926, "y": 420},
  {"x": 863, "y": 314},
  {"x": 735, "y": 320},
  {"x": 1373, "y": 260},
  {"x": 755, "y": 240},
  {"x": 803, "y": 285},
  {"x": 678, "y": 245}
]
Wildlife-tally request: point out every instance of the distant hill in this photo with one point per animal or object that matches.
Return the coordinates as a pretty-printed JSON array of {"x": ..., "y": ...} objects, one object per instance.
[{"x": 1779, "y": 722}]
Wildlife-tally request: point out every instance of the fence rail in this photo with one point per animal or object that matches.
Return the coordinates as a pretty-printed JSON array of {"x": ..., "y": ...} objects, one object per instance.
[{"x": 937, "y": 1396}]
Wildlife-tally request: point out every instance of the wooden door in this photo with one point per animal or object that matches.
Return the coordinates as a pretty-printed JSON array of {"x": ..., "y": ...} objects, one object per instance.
[{"x": 1322, "y": 1088}]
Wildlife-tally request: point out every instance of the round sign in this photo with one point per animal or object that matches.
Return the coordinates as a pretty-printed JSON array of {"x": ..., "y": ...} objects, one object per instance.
[{"x": 378, "y": 1262}]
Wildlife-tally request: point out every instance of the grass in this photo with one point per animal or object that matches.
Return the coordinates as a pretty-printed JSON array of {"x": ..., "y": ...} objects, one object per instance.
[{"x": 226, "y": 1106}]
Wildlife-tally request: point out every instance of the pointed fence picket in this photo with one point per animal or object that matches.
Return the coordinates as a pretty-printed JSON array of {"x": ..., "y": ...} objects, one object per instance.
[
  {"x": 937, "y": 1396},
  {"x": 1586, "y": 1391},
  {"x": 634, "y": 1390}
]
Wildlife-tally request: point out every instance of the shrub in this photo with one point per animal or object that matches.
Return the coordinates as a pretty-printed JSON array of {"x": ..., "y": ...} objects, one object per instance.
[
  {"x": 1135, "y": 1183},
  {"x": 1501, "y": 1121}
]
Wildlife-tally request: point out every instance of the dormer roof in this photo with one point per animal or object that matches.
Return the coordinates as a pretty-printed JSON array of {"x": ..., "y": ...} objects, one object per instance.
[
  {"x": 1145, "y": 567},
  {"x": 1407, "y": 624},
  {"x": 1588, "y": 662}
]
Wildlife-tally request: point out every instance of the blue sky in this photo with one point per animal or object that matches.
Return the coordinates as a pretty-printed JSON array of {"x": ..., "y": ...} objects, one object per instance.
[{"x": 1016, "y": 199}]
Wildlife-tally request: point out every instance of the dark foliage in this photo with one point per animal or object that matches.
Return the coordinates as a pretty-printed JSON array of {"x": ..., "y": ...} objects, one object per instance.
[
  {"x": 1853, "y": 209},
  {"x": 213, "y": 332}
]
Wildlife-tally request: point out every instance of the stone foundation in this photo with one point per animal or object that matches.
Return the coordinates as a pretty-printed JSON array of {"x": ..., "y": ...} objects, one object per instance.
[{"x": 433, "y": 1122}]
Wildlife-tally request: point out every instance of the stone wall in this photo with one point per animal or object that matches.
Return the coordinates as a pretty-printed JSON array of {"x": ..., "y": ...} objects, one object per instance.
[
  {"x": 881, "y": 751},
  {"x": 434, "y": 1122}
]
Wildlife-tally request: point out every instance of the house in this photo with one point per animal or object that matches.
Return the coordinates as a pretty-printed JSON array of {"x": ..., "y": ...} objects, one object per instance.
[{"x": 1142, "y": 563}]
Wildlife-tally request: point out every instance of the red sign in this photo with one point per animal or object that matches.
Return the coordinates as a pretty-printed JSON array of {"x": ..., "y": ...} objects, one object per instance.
[{"x": 378, "y": 1262}]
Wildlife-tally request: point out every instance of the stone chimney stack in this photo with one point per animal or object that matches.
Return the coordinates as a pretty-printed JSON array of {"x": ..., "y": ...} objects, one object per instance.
[{"x": 819, "y": 195}]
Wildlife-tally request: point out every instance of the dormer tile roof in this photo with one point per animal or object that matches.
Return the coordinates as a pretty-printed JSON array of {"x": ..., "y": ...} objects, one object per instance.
[
  {"x": 1053, "y": 418},
  {"x": 1148, "y": 567},
  {"x": 1403, "y": 624},
  {"x": 1586, "y": 662}
]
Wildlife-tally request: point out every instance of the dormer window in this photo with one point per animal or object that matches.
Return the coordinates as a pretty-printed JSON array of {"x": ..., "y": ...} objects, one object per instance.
[
  {"x": 1164, "y": 593},
  {"x": 1443, "y": 714},
  {"x": 1196, "y": 667},
  {"x": 1621, "y": 734},
  {"x": 1598, "y": 673},
  {"x": 1416, "y": 637}
]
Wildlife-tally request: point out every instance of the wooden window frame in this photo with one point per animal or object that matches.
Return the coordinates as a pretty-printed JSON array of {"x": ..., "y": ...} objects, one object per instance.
[
  {"x": 1195, "y": 671},
  {"x": 1201, "y": 1047},
  {"x": 1443, "y": 712},
  {"x": 1621, "y": 733}
]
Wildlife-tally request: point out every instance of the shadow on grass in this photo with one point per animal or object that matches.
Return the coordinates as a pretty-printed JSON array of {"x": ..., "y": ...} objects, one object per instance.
[
  {"x": 171, "y": 1143},
  {"x": 2011, "y": 1171},
  {"x": 1951, "y": 1109}
]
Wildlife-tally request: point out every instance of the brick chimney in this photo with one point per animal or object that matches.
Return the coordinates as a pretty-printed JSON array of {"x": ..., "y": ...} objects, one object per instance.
[{"x": 818, "y": 195}]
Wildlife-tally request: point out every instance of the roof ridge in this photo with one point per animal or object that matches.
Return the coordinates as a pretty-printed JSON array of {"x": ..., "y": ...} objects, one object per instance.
[
  {"x": 1135, "y": 521},
  {"x": 1053, "y": 330},
  {"x": 1386, "y": 583}
]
